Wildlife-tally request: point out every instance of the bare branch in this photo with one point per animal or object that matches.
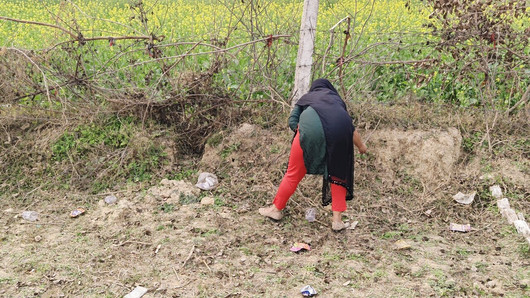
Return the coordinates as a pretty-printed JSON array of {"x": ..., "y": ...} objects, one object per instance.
[{"x": 73, "y": 35}]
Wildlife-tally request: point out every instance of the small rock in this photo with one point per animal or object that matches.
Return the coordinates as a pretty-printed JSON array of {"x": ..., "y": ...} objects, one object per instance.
[
  {"x": 491, "y": 284},
  {"x": 38, "y": 238},
  {"x": 402, "y": 244},
  {"x": 30, "y": 215},
  {"x": 208, "y": 201},
  {"x": 110, "y": 199},
  {"x": 486, "y": 177},
  {"x": 524, "y": 283}
]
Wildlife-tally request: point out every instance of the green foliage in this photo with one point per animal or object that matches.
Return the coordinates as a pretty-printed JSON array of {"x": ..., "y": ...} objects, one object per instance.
[
  {"x": 524, "y": 250},
  {"x": 215, "y": 140},
  {"x": 189, "y": 199},
  {"x": 167, "y": 208},
  {"x": 469, "y": 143},
  {"x": 183, "y": 174},
  {"x": 229, "y": 149},
  {"x": 141, "y": 168},
  {"x": 114, "y": 133},
  {"x": 390, "y": 234}
]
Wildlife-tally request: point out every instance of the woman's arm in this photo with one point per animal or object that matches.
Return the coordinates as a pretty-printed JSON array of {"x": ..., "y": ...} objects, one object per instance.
[
  {"x": 295, "y": 117},
  {"x": 358, "y": 142}
]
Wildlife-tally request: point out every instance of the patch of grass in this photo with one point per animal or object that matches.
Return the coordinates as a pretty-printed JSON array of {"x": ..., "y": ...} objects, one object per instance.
[
  {"x": 482, "y": 267},
  {"x": 469, "y": 142},
  {"x": 167, "y": 207},
  {"x": 390, "y": 234},
  {"x": 113, "y": 132},
  {"x": 331, "y": 257},
  {"x": 229, "y": 149},
  {"x": 463, "y": 252},
  {"x": 245, "y": 250},
  {"x": 275, "y": 149},
  {"x": 211, "y": 232},
  {"x": 142, "y": 167},
  {"x": 524, "y": 250},
  {"x": 183, "y": 175},
  {"x": 189, "y": 199},
  {"x": 421, "y": 273},
  {"x": 441, "y": 285},
  {"x": 219, "y": 202},
  {"x": 215, "y": 140},
  {"x": 6, "y": 280},
  {"x": 508, "y": 230}
]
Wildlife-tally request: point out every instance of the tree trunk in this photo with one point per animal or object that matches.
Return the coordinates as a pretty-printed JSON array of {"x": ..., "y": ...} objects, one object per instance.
[{"x": 304, "y": 61}]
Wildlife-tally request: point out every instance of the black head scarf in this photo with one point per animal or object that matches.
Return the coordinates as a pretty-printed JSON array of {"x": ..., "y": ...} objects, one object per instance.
[{"x": 338, "y": 130}]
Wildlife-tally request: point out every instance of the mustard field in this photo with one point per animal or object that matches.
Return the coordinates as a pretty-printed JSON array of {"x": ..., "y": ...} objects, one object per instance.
[{"x": 184, "y": 20}]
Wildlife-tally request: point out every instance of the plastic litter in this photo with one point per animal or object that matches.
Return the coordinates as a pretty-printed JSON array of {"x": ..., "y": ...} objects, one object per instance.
[
  {"x": 308, "y": 291},
  {"x": 207, "y": 181},
  {"x": 460, "y": 228},
  {"x": 299, "y": 246},
  {"x": 30, "y": 215},
  {"x": 465, "y": 199},
  {"x": 510, "y": 215},
  {"x": 503, "y": 204},
  {"x": 353, "y": 225},
  {"x": 111, "y": 199},
  {"x": 522, "y": 227},
  {"x": 496, "y": 191},
  {"x": 137, "y": 292},
  {"x": 77, "y": 212},
  {"x": 310, "y": 214}
]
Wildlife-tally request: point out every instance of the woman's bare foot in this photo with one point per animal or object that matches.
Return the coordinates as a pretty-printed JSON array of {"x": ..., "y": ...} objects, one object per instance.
[
  {"x": 336, "y": 222},
  {"x": 339, "y": 225},
  {"x": 271, "y": 212}
]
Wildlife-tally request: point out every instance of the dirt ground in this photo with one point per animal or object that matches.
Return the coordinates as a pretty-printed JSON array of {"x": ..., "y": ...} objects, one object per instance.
[{"x": 178, "y": 241}]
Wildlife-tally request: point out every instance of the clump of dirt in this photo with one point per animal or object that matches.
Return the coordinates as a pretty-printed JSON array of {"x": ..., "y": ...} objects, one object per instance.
[
  {"x": 250, "y": 154},
  {"x": 429, "y": 156}
]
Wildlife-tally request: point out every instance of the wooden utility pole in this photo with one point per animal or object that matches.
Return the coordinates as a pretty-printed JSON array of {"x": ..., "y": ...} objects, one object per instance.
[{"x": 304, "y": 61}]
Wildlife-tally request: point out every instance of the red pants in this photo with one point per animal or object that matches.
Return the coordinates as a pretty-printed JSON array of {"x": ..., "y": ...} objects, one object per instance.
[{"x": 295, "y": 172}]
